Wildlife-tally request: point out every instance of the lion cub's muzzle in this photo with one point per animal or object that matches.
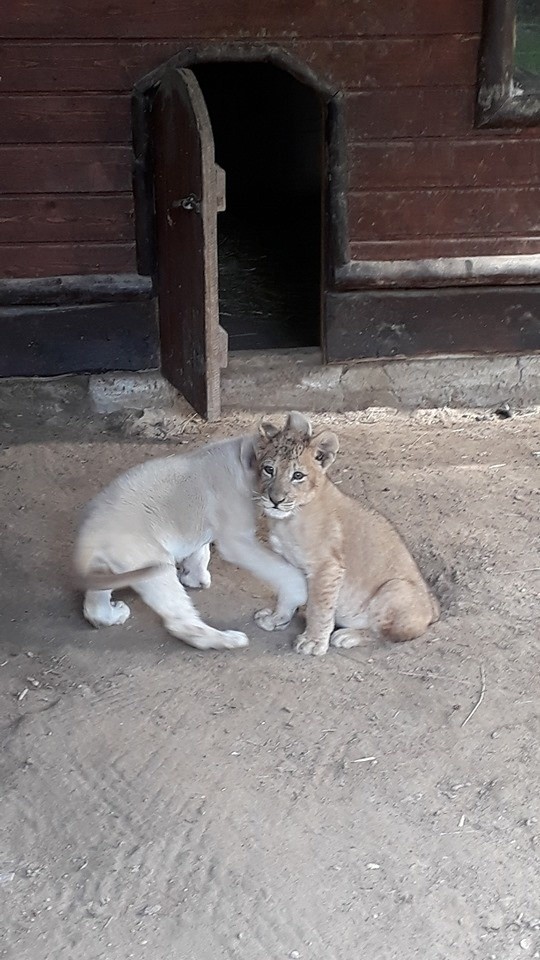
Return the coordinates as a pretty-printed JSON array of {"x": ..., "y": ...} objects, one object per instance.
[{"x": 277, "y": 508}]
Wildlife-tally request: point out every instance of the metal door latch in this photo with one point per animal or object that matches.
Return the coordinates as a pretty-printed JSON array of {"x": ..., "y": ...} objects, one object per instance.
[{"x": 191, "y": 202}]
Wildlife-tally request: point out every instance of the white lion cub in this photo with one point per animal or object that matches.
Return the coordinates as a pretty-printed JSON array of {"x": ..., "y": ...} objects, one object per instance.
[{"x": 166, "y": 512}]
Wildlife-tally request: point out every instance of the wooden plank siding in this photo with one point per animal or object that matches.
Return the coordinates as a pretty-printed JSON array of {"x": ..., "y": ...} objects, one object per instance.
[
  {"x": 65, "y": 259},
  {"x": 68, "y": 218},
  {"x": 65, "y": 118},
  {"x": 423, "y": 181},
  {"x": 422, "y": 249},
  {"x": 231, "y": 18},
  {"x": 435, "y": 195},
  {"x": 444, "y": 163},
  {"x": 419, "y": 112},
  {"x": 405, "y": 215},
  {"x": 65, "y": 168},
  {"x": 56, "y": 66}
]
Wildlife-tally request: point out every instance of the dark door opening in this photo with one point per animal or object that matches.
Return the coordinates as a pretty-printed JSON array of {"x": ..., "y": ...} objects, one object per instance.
[{"x": 268, "y": 132}]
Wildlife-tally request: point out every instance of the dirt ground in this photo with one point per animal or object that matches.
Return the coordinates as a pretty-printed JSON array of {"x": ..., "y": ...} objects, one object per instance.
[{"x": 162, "y": 803}]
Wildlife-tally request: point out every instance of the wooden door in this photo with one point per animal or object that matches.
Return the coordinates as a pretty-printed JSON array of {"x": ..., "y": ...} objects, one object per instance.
[{"x": 189, "y": 190}]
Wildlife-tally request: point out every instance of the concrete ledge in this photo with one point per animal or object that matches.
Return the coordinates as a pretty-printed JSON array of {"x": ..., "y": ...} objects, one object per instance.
[
  {"x": 277, "y": 380},
  {"x": 133, "y": 391},
  {"x": 266, "y": 381}
]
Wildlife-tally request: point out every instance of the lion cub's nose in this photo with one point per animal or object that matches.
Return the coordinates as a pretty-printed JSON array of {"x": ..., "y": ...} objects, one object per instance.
[{"x": 276, "y": 500}]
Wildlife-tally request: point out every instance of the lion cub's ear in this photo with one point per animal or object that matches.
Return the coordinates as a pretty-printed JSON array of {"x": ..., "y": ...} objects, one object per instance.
[
  {"x": 299, "y": 424},
  {"x": 267, "y": 430},
  {"x": 248, "y": 452},
  {"x": 325, "y": 446}
]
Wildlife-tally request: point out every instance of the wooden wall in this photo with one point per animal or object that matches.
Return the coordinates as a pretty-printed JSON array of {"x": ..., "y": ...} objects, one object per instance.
[{"x": 423, "y": 182}]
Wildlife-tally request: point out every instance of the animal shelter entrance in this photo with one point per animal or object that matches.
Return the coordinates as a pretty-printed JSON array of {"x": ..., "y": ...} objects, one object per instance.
[{"x": 238, "y": 185}]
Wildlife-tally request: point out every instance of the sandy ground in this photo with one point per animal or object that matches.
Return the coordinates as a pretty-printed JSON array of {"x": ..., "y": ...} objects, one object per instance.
[{"x": 161, "y": 803}]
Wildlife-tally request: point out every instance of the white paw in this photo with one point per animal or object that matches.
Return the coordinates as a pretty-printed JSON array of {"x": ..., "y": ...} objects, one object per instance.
[
  {"x": 315, "y": 648},
  {"x": 121, "y": 612},
  {"x": 196, "y": 581},
  {"x": 206, "y": 638},
  {"x": 233, "y": 639},
  {"x": 269, "y": 620},
  {"x": 113, "y": 615}
]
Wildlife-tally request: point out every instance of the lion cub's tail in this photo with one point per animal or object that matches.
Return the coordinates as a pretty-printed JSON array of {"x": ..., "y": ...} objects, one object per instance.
[
  {"x": 104, "y": 579},
  {"x": 106, "y": 569}
]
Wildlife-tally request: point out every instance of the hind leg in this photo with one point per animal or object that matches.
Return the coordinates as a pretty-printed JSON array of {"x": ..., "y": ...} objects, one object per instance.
[
  {"x": 401, "y": 610},
  {"x": 352, "y": 630},
  {"x": 165, "y": 594},
  {"x": 348, "y": 637},
  {"x": 102, "y": 611},
  {"x": 194, "y": 569}
]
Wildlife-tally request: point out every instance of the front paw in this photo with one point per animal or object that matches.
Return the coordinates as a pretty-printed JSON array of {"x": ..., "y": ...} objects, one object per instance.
[
  {"x": 306, "y": 644},
  {"x": 195, "y": 581},
  {"x": 271, "y": 620}
]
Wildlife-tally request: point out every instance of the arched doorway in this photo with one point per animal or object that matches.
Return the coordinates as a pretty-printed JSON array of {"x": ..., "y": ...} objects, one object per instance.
[
  {"x": 271, "y": 127},
  {"x": 269, "y": 138}
]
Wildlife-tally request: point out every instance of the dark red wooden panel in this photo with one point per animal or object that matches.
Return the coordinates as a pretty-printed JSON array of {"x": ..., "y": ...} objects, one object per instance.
[
  {"x": 409, "y": 163},
  {"x": 398, "y": 215},
  {"x": 66, "y": 168},
  {"x": 429, "y": 247},
  {"x": 414, "y": 62},
  {"x": 94, "y": 118},
  {"x": 71, "y": 66},
  {"x": 58, "y": 218},
  {"x": 65, "y": 259},
  {"x": 410, "y": 112},
  {"x": 236, "y": 18}
]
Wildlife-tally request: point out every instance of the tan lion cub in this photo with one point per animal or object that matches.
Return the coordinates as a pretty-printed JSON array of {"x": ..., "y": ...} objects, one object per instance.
[{"x": 361, "y": 577}]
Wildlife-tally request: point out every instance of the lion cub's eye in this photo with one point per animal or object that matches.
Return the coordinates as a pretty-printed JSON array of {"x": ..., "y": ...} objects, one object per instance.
[
  {"x": 268, "y": 470},
  {"x": 298, "y": 476}
]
